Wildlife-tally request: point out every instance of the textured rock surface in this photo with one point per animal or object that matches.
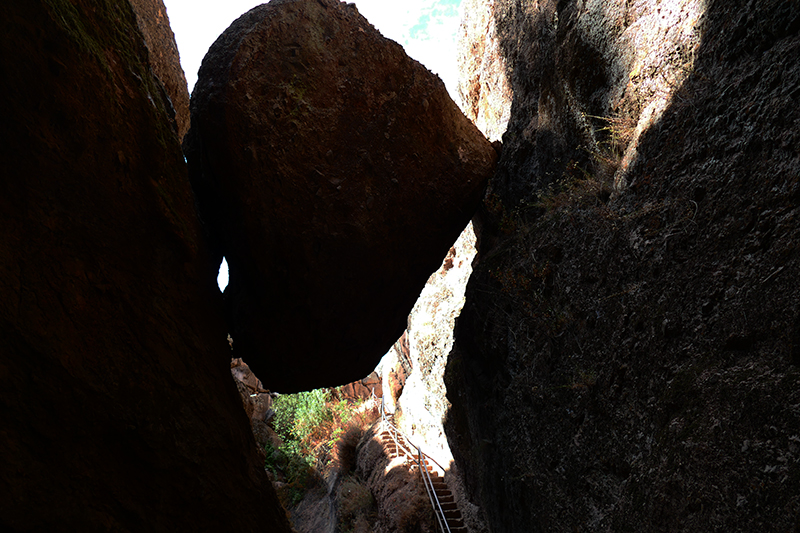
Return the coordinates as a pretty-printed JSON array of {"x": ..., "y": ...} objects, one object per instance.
[
  {"x": 334, "y": 173},
  {"x": 257, "y": 404},
  {"x": 630, "y": 362},
  {"x": 422, "y": 407},
  {"x": 151, "y": 15},
  {"x": 363, "y": 388},
  {"x": 586, "y": 79},
  {"x": 117, "y": 409},
  {"x": 483, "y": 86},
  {"x": 423, "y": 404},
  {"x": 399, "y": 495}
]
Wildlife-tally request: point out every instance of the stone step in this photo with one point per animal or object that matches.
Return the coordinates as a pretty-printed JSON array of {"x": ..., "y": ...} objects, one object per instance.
[
  {"x": 452, "y": 514},
  {"x": 445, "y": 498}
]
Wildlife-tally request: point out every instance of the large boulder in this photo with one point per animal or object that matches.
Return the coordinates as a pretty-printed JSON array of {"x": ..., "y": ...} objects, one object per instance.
[
  {"x": 334, "y": 173},
  {"x": 117, "y": 408}
]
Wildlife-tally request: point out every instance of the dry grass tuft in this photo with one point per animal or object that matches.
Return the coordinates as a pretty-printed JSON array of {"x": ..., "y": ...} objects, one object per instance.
[
  {"x": 356, "y": 506},
  {"x": 346, "y": 450}
]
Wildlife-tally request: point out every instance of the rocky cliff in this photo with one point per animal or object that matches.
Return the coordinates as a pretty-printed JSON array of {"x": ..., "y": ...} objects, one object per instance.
[
  {"x": 117, "y": 408},
  {"x": 627, "y": 356}
]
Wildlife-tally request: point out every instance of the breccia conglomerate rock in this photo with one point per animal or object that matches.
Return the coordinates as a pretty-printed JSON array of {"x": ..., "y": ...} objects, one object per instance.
[{"x": 333, "y": 172}]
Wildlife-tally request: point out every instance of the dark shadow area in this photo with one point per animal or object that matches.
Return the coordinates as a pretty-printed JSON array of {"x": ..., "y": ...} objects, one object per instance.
[{"x": 627, "y": 363}]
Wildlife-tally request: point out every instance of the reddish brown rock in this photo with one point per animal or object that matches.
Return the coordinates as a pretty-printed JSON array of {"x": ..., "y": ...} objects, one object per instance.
[
  {"x": 334, "y": 173},
  {"x": 363, "y": 388},
  {"x": 151, "y": 16},
  {"x": 117, "y": 409},
  {"x": 483, "y": 85}
]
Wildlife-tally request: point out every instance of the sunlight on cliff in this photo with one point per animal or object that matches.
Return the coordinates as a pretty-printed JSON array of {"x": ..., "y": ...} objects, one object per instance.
[{"x": 663, "y": 45}]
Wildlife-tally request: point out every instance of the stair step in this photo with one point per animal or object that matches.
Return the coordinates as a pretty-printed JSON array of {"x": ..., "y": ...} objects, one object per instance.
[{"x": 396, "y": 446}]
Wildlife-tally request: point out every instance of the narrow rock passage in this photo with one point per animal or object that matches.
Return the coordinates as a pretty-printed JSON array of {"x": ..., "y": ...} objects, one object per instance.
[{"x": 396, "y": 445}]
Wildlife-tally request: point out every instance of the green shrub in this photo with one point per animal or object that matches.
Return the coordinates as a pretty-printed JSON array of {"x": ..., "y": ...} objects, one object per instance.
[
  {"x": 297, "y": 416},
  {"x": 310, "y": 425}
]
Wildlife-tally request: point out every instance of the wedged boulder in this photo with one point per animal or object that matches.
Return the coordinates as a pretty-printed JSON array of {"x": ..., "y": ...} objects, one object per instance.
[
  {"x": 117, "y": 407},
  {"x": 334, "y": 173}
]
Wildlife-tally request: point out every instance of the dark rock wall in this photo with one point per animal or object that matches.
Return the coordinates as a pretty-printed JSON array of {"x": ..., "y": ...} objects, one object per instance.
[
  {"x": 629, "y": 362},
  {"x": 117, "y": 408}
]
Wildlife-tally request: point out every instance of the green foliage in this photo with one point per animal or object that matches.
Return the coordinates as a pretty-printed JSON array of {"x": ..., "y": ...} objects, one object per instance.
[
  {"x": 298, "y": 416},
  {"x": 297, "y": 468},
  {"x": 310, "y": 424},
  {"x": 299, "y": 419}
]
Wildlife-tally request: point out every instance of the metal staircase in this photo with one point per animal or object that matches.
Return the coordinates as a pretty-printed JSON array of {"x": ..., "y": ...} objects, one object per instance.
[{"x": 448, "y": 515}]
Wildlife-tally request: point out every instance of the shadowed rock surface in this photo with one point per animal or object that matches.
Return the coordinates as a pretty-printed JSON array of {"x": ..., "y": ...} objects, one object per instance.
[
  {"x": 153, "y": 21},
  {"x": 117, "y": 408},
  {"x": 334, "y": 173},
  {"x": 629, "y": 361}
]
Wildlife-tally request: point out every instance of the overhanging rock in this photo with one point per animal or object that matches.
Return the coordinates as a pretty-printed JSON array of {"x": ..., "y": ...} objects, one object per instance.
[{"x": 334, "y": 173}]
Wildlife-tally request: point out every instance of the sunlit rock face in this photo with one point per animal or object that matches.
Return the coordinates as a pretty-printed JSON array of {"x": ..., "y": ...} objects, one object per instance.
[
  {"x": 484, "y": 89},
  {"x": 421, "y": 410},
  {"x": 423, "y": 405},
  {"x": 602, "y": 72},
  {"x": 117, "y": 408},
  {"x": 627, "y": 355},
  {"x": 333, "y": 172}
]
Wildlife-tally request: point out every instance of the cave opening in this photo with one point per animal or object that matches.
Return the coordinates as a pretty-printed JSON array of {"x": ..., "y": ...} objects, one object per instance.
[{"x": 222, "y": 275}]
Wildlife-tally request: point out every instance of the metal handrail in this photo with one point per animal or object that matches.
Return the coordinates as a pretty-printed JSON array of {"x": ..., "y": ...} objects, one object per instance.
[
  {"x": 435, "y": 503},
  {"x": 423, "y": 470}
]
